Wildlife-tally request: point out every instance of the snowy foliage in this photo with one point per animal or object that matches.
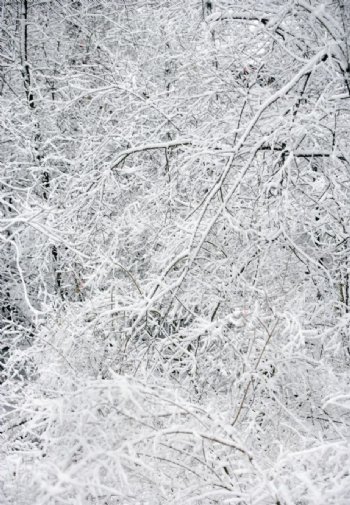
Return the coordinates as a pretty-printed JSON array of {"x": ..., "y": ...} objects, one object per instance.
[{"x": 174, "y": 230}]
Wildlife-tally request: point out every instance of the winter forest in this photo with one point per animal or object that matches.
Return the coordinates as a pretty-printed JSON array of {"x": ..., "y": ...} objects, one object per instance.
[{"x": 174, "y": 252}]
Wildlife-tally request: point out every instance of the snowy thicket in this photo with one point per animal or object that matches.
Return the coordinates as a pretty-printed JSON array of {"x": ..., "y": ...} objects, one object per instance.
[{"x": 174, "y": 231}]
